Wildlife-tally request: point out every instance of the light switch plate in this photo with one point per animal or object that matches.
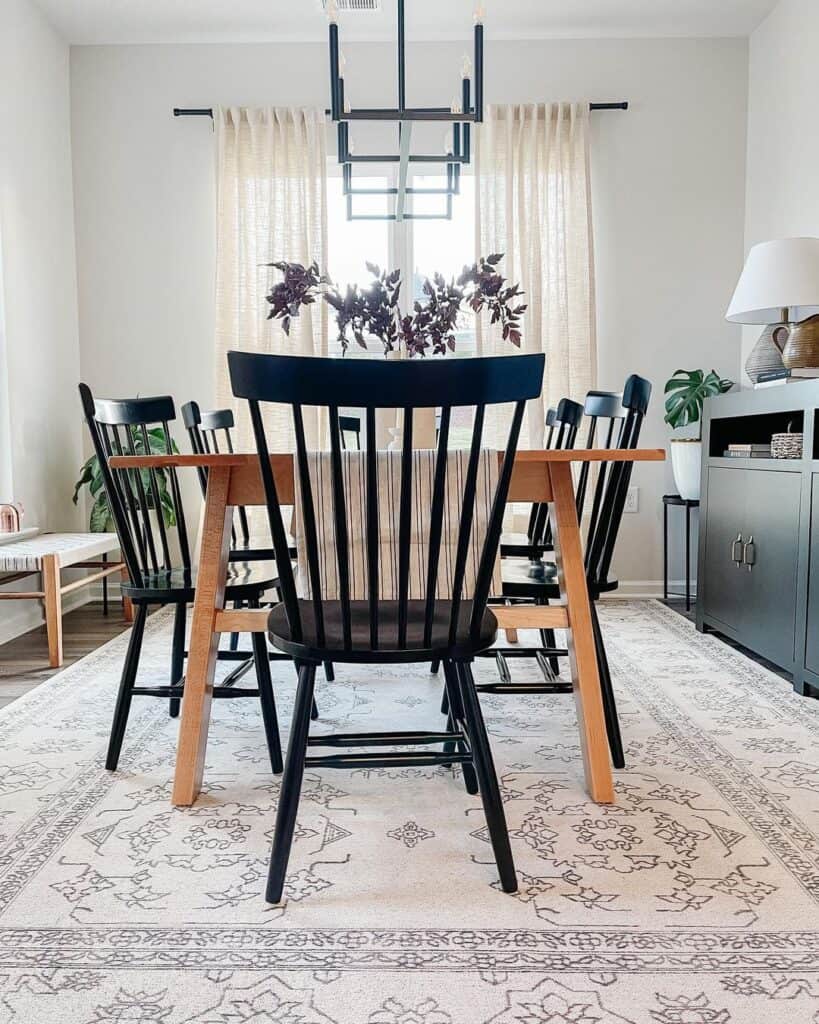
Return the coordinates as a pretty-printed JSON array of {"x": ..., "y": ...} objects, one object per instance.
[{"x": 633, "y": 500}]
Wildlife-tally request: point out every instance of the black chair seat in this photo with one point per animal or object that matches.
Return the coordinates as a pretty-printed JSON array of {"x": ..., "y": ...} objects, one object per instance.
[
  {"x": 518, "y": 581},
  {"x": 388, "y": 650},
  {"x": 244, "y": 583}
]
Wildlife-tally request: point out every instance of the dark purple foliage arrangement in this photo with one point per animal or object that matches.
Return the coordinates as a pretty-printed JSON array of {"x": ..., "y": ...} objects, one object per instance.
[
  {"x": 373, "y": 311},
  {"x": 298, "y": 289}
]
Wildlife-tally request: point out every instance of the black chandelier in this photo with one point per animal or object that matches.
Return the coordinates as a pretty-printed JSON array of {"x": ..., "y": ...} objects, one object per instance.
[{"x": 461, "y": 114}]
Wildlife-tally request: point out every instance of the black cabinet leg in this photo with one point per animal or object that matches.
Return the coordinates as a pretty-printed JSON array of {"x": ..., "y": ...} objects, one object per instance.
[
  {"x": 329, "y": 674},
  {"x": 105, "y": 587},
  {"x": 665, "y": 551},
  {"x": 487, "y": 780},
  {"x": 618, "y": 758},
  {"x": 291, "y": 784},
  {"x": 126, "y": 683},
  {"x": 177, "y": 655},
  {"x": 434, "y": 667}
]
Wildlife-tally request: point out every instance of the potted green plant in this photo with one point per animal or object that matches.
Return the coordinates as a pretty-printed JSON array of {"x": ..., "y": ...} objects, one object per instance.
[
  {"x": 100, "y": 518},
  {"x": 685, "y": 394}
]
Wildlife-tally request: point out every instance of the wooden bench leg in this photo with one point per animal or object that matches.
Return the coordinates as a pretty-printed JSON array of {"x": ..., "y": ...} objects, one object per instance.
[
  {"x": 53, "y": 609},
  {"x": 511, "y": 636}
]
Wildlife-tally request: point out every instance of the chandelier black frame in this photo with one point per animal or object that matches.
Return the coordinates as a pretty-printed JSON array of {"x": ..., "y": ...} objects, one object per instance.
[{"x": 458, "y": 155}]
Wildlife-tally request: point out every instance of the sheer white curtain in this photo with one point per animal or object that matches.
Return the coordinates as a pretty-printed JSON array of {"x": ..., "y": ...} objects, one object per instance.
[
  {"x": 533, "y": 203},
  {"x": 271, "y": 205}
]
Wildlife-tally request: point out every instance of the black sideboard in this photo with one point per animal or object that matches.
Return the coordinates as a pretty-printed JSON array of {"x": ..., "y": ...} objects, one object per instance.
[{"x": 758, "y": 578}]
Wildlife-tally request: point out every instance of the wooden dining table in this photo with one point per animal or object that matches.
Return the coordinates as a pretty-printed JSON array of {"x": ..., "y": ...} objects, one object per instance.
[{"x": 235, "y": 480}]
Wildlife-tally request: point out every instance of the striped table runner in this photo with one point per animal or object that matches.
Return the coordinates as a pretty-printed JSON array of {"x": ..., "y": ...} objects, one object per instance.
[{"x": 389, "y": 493}]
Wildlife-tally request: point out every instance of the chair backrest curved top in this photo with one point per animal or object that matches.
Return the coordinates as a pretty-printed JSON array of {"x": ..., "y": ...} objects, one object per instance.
[
  {"x": 604, "y": 404},
  {"x": 140, "y": 501},
  {"x": 370, "y": 385}
]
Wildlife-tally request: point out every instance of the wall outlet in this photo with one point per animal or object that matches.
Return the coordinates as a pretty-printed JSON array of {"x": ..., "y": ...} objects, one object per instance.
[{"x": 633, "y": 500}]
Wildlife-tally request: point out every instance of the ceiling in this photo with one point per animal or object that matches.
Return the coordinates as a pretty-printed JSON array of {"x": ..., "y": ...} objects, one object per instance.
[{"x": 215, "y": 21}]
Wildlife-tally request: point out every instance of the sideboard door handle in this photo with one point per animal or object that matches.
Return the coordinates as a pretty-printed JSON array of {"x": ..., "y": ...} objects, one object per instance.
[
  {"x": 749, "y": 553},
  {"x": 736, "y": 551}
]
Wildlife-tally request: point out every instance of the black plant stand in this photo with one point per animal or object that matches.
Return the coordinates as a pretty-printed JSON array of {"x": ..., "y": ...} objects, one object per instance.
[{"x": 675, "y": 499}]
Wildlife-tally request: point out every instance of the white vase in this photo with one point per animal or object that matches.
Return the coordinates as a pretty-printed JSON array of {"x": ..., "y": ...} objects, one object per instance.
[{"x": 686, "y": 460}]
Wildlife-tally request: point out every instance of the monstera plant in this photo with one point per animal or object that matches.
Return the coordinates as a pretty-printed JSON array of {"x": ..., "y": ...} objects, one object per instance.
[
  {"x": 685, "y": 395},
  {"x": 100, "y": 518}
]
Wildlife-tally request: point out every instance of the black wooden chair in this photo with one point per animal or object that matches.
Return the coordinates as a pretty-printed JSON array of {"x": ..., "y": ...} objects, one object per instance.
[
  {"x": 210, "y": 433},
  {"x": 614, "y": 421},
  {"x": 159, "y": 574},
  {"x": 375, "y": 631},
  {"x": 562, "y": 426}
]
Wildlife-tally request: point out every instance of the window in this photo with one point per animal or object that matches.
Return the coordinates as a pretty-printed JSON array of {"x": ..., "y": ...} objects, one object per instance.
[{"x": 418, "y": 248}]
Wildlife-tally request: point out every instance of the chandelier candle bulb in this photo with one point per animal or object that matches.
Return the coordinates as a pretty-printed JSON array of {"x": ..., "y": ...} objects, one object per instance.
[
  {"x": 466, "y": 66},
  {"x": 332, "y": 11}
]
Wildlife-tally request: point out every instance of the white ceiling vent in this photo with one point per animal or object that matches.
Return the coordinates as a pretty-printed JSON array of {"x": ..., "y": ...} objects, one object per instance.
[{"x": 360, "y": 6}]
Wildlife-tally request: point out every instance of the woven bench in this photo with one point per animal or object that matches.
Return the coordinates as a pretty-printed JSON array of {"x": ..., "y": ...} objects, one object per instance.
[{"x": 47, "y": 554}]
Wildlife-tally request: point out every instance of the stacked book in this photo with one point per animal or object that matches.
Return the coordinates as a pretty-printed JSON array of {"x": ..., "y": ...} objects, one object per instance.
[
  {"x": 771, "y": 378},
  {"x": 748, "y": 451}
]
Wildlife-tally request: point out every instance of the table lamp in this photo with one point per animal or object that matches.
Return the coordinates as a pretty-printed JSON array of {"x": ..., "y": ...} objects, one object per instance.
[{"x": 779, "y": 286}]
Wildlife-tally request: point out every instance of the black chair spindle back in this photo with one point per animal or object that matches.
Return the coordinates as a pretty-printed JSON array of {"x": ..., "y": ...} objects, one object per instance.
[
  {"x": 138, "y": 498},
  {"x": 407, "y": 385}
]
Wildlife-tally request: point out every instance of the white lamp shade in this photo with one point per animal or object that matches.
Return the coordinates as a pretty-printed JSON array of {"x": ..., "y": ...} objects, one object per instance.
[{"x": 778, "y": 275}]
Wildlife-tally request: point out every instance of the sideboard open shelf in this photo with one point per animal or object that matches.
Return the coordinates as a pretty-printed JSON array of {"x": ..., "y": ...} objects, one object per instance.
[{"x": 758, "y": 580}]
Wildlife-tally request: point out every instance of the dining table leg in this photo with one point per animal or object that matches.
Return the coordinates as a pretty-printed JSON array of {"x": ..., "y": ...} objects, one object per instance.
[
  {"x": 571, "y": 575},
  {"x": 214, "y": 548}
]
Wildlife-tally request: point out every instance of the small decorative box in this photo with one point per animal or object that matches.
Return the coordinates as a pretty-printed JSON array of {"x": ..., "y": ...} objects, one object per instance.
[{"x": 787, "y": 446}]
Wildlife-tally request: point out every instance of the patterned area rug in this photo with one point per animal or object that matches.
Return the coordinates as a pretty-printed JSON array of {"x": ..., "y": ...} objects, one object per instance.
[{"x": 692, "y": 901}]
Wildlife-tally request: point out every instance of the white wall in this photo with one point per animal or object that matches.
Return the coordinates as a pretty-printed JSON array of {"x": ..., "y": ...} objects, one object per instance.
[
  {"x": 39, "y": 275},
  {"x": 783, "y": 146},
  {"x": 668, "y": 193}
]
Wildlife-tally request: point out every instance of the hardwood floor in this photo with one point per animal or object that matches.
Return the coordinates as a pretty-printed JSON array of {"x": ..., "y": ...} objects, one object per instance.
[{"x": 24, "y": 660}]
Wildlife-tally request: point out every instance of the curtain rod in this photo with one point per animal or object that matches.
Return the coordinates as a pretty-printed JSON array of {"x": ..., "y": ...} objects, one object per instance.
[{"x": 208, "y": 111}]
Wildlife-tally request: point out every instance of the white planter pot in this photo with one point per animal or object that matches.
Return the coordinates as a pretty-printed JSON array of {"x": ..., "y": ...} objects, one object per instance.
[{"x": 686, "y": 460}]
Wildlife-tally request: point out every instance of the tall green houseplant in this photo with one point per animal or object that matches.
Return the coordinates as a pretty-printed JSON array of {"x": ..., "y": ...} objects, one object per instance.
[
  {"x": 685, "y": 395},
  {"x": 100, "y": 518}
]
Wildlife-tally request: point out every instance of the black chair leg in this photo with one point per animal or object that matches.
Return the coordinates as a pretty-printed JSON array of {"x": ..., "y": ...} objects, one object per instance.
[
  {"x": 234, "y": 637},
  {"x": 445, "y": 702},
  {"x": 177, "y": 655},
  {"x": 126, "y": 683},
  {"x": 434, "y": 667},
  {"x": 329, "y": 674},
  {"x": 314, "y": 710},
  {"x": 291, "y": 784},
  {"x": 455, "y": 718},
  {"x": 618, "y": 757},
  {"x": 105, "y": 587},
  {"x": 268, "y": 701},
  {"x": 549, "y": 640},
  {"x": 487, "y": 779}
]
